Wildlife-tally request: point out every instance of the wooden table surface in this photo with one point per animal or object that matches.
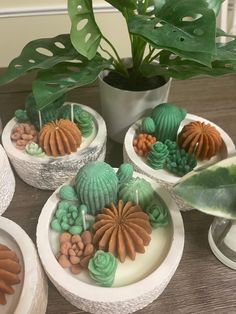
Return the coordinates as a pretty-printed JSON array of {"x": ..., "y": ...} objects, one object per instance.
[{"x": 201, "y": 283}]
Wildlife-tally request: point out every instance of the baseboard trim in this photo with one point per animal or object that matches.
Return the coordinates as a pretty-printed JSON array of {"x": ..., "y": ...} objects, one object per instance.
[{"x": 49, "y": 10}]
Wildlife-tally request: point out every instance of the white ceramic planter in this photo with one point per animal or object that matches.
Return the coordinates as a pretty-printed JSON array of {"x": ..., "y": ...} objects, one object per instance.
[
  {"x": 31, "y": 294},
  {"x": 7, "y": 181},
  {"x": 50, "y": 172},
  {"x": 164, "y": 177},
  {"x": 137, "y": 283},
  {"x": 121, "y": 108}
]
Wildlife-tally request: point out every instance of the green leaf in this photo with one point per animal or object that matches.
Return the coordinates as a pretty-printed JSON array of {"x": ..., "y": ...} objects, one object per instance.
[
  {"x": 176, "y": 29},
  {"x": 181, "y": 68},
  {"x": 212, "y": 189},
  {"x": 53, "y": 83},
  {"x": 85, "y": 34},
  {"x": 40, "y": 54}
]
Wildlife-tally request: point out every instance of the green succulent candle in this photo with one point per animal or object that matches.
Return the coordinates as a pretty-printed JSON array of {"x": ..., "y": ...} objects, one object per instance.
[
  {"x": 69, "y": 217},
  {"x": 156, "y": 158},
  {"x": 84, "y": 121},
  {"x": 33, "y": 149},
  {"x": 21, "y": 115},
  {"x": 158, "y": 215},
  {"x": 102, "y": 268},
  {"x": 125, "y": 173},
  {"x": 180, "y": 162},
  {"x": 148, "y": 125},
  {"x": 67, "y": 193}
]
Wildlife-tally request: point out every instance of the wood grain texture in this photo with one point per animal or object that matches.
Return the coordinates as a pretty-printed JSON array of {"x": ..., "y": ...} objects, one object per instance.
[{"x": 201, "y": 284}]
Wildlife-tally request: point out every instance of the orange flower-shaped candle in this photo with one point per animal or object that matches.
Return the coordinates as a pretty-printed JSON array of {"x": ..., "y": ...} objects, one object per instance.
[
  {"x": 58, "y": 138},
  {"x": 122, "y": 230},
  {"x": 201, "y": 139}
]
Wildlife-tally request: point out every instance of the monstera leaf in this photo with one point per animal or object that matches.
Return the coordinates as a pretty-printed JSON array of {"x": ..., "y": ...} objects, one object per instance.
[
  {"x": 185, "y": 27},
  {"x": 211, "y": 190},
  {"x": 53, "y": 83},
  {"x": 40, "y": 54},
  {"x": 211, "y": 4},
  {"x": 85, "y": 34}
]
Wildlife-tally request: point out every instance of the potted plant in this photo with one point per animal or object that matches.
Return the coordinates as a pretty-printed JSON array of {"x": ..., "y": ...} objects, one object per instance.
[
  {"x": 212, "y": 191},
  {"x": 168, "y": 38}
]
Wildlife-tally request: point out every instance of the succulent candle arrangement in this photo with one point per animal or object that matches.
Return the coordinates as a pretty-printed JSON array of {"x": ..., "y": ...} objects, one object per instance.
[
  {"x": 57, "y": 130},
  {"x": 105, "y": 218},
  {"x": 161, "y": 146},
  {"x": 9, "y": 272}
]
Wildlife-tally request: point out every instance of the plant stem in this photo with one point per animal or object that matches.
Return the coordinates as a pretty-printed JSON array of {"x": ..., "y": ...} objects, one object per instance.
[
  {"x": 154, "y": 57},
  {"x": 119, "y": 65}
]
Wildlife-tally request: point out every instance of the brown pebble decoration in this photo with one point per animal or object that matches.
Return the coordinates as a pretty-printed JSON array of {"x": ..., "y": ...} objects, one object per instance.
[
  {"x": 200, "y": 139},
  {"x": 76, "y": 251},
  {"x": 142, "y": 144},
  {"x": 9, "y": 270},
  {"x": 60, "y": 137},
  {"x": 23, "y": 134}
]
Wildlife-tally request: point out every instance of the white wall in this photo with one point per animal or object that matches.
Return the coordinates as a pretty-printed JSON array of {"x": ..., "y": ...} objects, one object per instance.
[{"x": 25, "y": 20}]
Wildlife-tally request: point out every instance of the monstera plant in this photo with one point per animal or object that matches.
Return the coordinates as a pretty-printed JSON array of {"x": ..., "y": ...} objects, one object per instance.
[{"x": 180, "y": 34}]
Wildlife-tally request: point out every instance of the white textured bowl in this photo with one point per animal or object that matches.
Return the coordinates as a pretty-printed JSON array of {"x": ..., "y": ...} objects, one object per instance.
[
  {"x": 50, "y": 172},
  {"x": 162, "y": 176},
  {"x": 7, "y": 181},
  {"x": 31, "y": 294},
  {"x": 136, "y": 293}
]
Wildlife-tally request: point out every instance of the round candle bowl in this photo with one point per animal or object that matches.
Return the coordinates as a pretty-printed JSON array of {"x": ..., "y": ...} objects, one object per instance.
[
  {"x": 137, "y": 283},
  {"x": 50, "y": 172},
  {"x": 7, "y": 181},
  {"x": 165, "y": 177},
  {"x": 31, "y": 294}
]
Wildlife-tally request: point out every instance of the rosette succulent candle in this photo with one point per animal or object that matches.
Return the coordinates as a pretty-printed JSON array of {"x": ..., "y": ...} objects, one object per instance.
[
  {"x": 158, "y": 215},
  {"x": 156, "y": 158},
  {"x": 102, "y": 268}
]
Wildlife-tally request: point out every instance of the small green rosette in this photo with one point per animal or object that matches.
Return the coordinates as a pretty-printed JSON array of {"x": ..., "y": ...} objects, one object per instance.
[
  {"x": 84, "y": 121},
  {"x": 156, "y": 158},
  {"x": 158, "y": 215},
  {"x": 102, "y": 268},
  {"x": 33, "y": 149}
]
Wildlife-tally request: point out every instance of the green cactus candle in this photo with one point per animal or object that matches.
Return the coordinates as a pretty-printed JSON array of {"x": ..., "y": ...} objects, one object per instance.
[{"x": 96, "y": 185}]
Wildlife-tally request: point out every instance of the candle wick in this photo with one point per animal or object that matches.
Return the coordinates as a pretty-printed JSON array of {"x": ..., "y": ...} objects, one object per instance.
[
  {"x": 137, "y": 198},
  {"x": 84, "y": 220}
]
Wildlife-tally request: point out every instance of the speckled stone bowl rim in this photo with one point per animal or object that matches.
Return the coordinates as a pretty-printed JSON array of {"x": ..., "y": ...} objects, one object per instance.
[
  {"x": 12, "y": 150},
  {"x": 30, "y": 259},
  {"x": 103, "y": 294},
  {"x": 163, "y": 174}
]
